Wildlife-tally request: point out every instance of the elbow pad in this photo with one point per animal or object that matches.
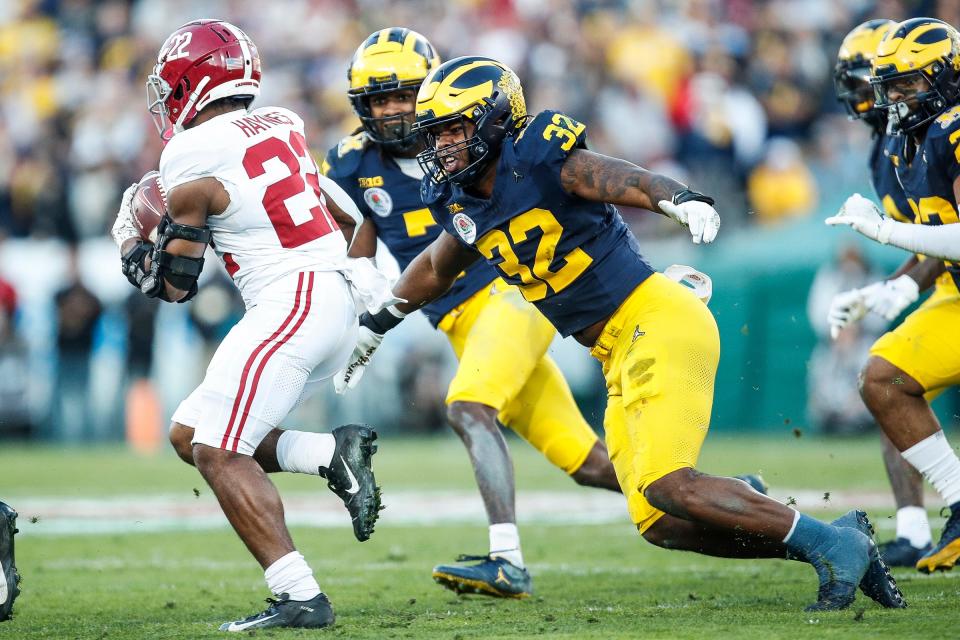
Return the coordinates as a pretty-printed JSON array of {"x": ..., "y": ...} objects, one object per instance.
[{"x": 180, "y": 271}]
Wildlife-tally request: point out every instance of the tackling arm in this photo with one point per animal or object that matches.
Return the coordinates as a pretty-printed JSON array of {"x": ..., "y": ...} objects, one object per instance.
[
  {"x": 426, "y": 278},
  {"x": 600, "y": 178},
  {"x": 432, "y": 272}
]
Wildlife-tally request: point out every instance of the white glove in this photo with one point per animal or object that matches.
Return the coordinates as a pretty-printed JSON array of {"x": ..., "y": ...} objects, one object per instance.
[
  {"x": 849, "y": 307},
  {"x": 864, "y": 217},
  {"x": 124, "y": 228},
  {"x": 348, "y": 377},
  {"x": 702, "y": 219},
  {"x": 893, "y": 297}
]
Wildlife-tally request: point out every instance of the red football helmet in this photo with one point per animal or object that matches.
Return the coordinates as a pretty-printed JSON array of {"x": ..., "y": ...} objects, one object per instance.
[{"x": 200, "y": 62}]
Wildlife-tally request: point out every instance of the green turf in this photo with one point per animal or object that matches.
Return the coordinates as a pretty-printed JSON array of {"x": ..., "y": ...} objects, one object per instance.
[
  {"x": 418, "y": 463},
  {"x": 591, "y": 581}
]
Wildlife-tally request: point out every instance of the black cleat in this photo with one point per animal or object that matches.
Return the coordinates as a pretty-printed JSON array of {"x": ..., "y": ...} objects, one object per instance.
[
  {"x": 315, "y": 613},
  {"x": 350, "y": 476},
  {"x": 943, "y": 556},
  {"x": 9, "y": 578},
  {"x": 877, "y": 583},
  {"x": 900, "y": 553},
  {"x": 489, "y": 577}
]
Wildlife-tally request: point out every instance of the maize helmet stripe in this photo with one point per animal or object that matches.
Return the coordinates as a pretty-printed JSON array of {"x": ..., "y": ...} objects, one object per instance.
[
  {"x": 452, "y": 91},
  {"x": 397, "y": 54},
  {"x": 916, "y": 44},
  {"x": 859, "y": 47}
]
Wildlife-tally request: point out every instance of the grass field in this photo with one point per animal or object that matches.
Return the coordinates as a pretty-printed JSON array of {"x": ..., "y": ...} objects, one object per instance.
[{"x": 592, "y": 580}]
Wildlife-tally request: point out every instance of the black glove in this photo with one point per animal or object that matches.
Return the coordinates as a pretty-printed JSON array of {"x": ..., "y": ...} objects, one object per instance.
[{"x": 132, "y": 263}]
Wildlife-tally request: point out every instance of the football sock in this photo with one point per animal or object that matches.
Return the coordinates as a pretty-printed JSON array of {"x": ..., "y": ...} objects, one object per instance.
[
  {"x": 939, "y": 464},
  {"x": 305, "y": 452},
  {"x": 913, "y": 525},
  {"x": 505, "y": 543},
  {"x": 292, "y": 575},
  {"x": 807, "y": 534}
]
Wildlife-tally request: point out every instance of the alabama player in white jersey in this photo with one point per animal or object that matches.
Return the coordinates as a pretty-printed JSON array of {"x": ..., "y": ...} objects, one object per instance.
[{"x": 244, "y": 182}]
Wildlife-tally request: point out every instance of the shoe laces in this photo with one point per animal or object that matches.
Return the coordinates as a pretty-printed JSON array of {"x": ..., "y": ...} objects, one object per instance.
[
  {"x": 468, "y": 558},
  {"x": 952, "y": 527}
]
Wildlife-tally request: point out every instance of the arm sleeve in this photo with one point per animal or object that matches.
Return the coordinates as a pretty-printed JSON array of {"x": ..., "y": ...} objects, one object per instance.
[{"x": 941, "y": 241}]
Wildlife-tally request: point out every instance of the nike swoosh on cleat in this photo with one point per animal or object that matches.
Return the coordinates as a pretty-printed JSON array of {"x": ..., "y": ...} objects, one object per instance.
[
  {"x": 241, "y": 626},
  {"x": 3, "y": 585},
  {"x": 354, "y": 485}
]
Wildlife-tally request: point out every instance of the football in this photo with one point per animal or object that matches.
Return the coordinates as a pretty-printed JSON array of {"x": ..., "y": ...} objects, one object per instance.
[{"x": 149, "y": 205}]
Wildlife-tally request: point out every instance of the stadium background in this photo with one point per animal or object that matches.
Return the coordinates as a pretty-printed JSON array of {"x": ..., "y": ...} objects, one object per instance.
[{"x": 733, "y": 96}]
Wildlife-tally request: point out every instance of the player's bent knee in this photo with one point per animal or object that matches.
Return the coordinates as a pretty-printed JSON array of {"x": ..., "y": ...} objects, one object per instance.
[
  {"x": 597, "y": 470},
  {"x": 675, "y": 493},
  {"x": 883, "y": 384},
  {"x": 181, "y": 437},
  {"x": 465, "y": 417},
  {"x": 207, "y": 458}
]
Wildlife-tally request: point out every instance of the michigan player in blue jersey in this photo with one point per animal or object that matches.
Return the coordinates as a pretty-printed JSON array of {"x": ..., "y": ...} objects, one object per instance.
[
  {"x": 916, "y": 73},
  {"x": 504, "y": 375},
  {"x": 890, "y": 297},
  {"x": 528, "y": 197}
]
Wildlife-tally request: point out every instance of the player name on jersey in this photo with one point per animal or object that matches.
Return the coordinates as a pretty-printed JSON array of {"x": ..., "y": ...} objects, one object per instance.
[{"x": 253, "y": 124}]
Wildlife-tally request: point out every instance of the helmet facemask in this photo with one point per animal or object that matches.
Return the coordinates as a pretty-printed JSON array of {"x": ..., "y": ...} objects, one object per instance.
[
  {"x": 158, "y": 91},
  {"x": 921, "y": 101},
  {"x": 394, "y": 132},
  {"x": 492, "y": 123},
  {"x": 855, "y": 91}
]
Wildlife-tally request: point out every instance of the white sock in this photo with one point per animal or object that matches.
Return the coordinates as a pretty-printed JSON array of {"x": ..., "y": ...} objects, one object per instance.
[
  {"x": 793, "y": 527},
  {"x": 305, "y": 452},
  {"x": 913, "y": 525},
  {"x": 292, "y": 575},
  {"x": 939, "y": 464},
  {"x": 505, "y": 543}
]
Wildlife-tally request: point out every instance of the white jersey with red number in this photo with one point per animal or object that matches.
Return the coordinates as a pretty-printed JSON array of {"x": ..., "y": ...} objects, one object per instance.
[{"x": 277, "y": 222}]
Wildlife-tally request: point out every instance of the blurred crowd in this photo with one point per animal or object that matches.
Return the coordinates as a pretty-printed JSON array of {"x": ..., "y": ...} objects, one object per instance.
[{"x": 733, "y": 96}]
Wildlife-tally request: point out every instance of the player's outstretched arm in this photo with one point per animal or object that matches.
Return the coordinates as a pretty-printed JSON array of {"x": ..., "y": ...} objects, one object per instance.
[
  {"x": 600, "y": 178},
  {"x": 863, "y": 216},
  {"x": 426, "y": 278},
  {"x": 433, "y": 272}
]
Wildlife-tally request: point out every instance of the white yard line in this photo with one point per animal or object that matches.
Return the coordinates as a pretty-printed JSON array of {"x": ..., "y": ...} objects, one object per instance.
[{"x": 157, "y": 513}]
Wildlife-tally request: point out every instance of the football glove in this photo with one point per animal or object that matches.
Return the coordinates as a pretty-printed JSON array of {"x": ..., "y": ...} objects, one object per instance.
[
  {"x": 848, "y": 307},
  {"x": 864, "y": 217},
  {"x": 694, "y": 211},
  {"x": 123, "y": 227},
  {"x": 893, "y": 297},
  {"x": 372, "y": 329},
  {"x": 133, "y": 265}
]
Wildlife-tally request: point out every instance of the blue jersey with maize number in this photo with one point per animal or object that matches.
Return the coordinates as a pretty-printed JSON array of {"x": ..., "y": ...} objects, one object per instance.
[
  {"x": 390, "y": 200},
  {"x": 883, "y": 176},
  {"x": 574, "y": 259},
  {"x": 928, "y": 172}
]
